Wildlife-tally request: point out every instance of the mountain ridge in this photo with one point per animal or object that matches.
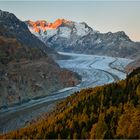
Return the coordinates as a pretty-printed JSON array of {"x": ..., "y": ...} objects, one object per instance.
[
  {"x": 80, "y": 38},
  {"x": 11, "y": 26}
]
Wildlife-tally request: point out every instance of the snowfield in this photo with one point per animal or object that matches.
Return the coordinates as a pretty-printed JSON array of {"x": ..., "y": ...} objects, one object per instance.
[{"x": 94, "y": 70}]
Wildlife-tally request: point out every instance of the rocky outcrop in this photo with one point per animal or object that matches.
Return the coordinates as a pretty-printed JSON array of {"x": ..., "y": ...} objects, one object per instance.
[
  {"x": 136, "y": 63},
  {"x": 132, "y": 66}
]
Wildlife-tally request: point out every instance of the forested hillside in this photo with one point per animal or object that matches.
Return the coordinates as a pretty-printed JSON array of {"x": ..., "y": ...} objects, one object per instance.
[{"x": 110, "y": 111}]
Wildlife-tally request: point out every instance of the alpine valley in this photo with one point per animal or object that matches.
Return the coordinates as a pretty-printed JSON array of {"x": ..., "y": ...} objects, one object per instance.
[{"x": 66, "y": 80}]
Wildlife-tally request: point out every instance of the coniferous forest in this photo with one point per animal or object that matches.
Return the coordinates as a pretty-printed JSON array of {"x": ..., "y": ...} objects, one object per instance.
[{"x": 109, "y": 111}]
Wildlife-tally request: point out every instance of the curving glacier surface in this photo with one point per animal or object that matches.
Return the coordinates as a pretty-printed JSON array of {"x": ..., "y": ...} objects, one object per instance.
[{"x": 95, "y": 70}]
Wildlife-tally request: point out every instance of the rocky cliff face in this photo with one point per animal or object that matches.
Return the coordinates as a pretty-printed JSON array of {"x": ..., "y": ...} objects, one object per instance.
[
  {"x": 26, "y": 69},
  {"x": 69, "y": 36}
]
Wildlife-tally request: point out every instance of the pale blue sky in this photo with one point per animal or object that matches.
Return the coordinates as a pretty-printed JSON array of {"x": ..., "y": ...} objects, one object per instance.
[{"x": 104, "y": 15}]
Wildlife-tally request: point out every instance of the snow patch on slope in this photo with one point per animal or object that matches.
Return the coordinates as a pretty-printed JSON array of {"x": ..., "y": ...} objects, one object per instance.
[
  {"x": 50, "y": 33},
  {"x": 81, "y": 29},
  {"x": 64, "y": 32}
]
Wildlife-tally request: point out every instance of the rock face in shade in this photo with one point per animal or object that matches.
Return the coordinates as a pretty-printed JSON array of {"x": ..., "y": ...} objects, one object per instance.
[
  {"x": 26, "y": 69},
  {"x": 136, "y": 63},
  {"x": 69, "y": 36}
]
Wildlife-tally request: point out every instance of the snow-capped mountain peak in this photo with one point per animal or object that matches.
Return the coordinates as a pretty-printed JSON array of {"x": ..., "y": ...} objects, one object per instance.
[
  {"x": 64, "y": 28},
  {"x": 70, "y": 36},
  {"x": 42, "y": 25}
]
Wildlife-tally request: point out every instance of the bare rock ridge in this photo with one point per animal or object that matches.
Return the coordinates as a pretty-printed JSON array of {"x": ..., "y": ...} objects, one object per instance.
[
  {"x": 26, "y": 69},
  {"x": 70, "y": 36},
  {"x": 11, "y": 26}
]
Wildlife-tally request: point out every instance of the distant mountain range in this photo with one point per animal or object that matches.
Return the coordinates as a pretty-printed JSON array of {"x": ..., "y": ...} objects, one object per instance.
[
  {"x": 27, "y": 70},
  {"x": 69, "y": 36}
]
